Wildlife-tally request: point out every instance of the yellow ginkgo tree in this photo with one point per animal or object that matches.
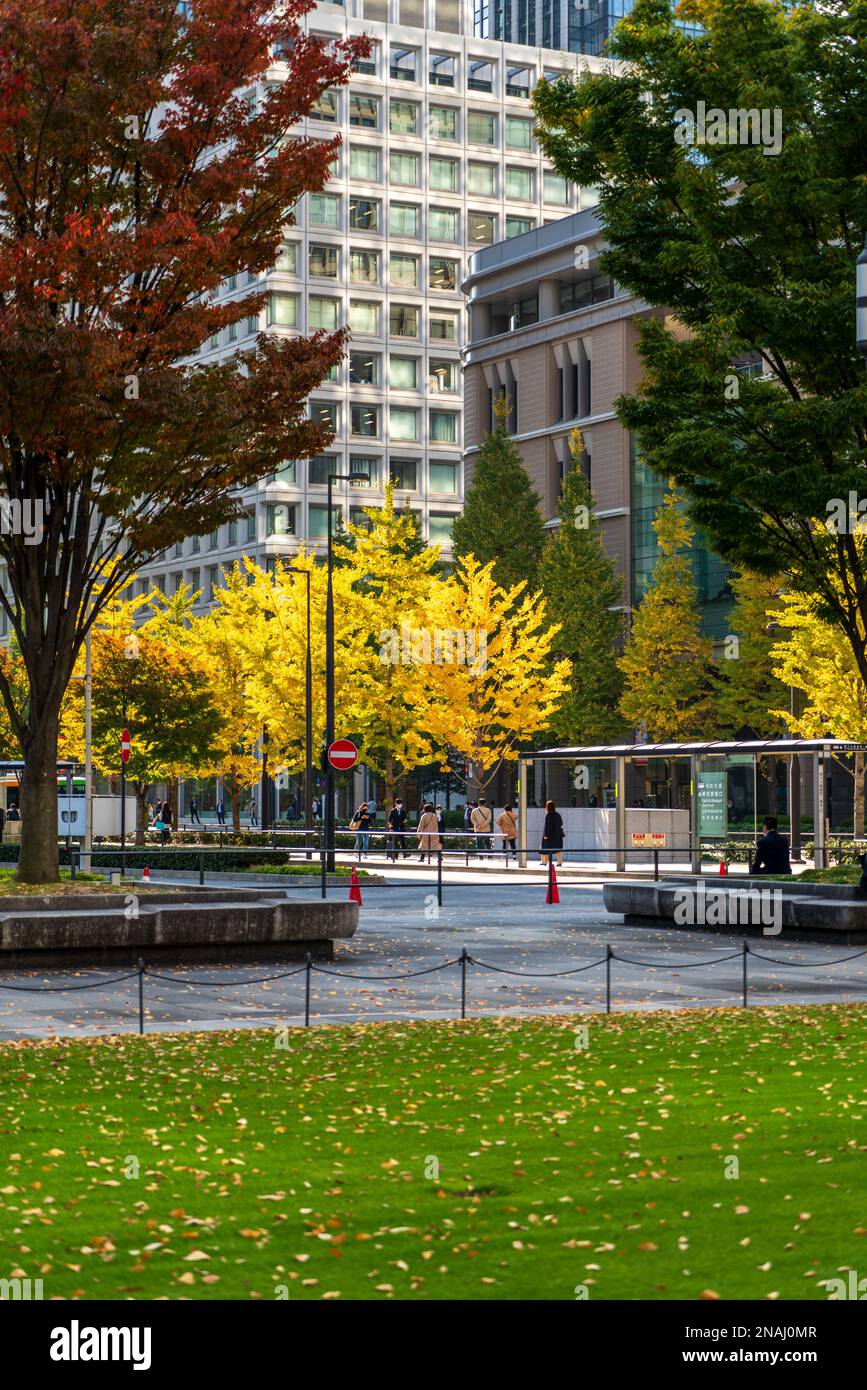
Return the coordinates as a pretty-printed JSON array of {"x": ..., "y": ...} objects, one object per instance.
[{"x": 494, "y": 684}]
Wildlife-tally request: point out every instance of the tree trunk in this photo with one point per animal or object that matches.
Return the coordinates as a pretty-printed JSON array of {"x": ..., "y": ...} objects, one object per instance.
[
  {"x": 141, "y": 792},
  {"x": 38, "y": 857},
  {"x": 235, "y": 798},
  {"x": 859, "y": 796},
  {"x": 389, "y": 778}
]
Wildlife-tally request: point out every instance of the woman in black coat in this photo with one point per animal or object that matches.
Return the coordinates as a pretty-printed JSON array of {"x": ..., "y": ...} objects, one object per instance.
[{"x": 552, "y": 833}]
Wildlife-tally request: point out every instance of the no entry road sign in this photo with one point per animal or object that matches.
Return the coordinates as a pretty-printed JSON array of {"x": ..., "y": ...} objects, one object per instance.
[
  {"x": 342, "y": 754},
  {"x": 124, "y": 746}
]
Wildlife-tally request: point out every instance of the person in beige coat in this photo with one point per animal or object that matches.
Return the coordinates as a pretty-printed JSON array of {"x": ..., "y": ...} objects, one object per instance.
[
  {"x": 428, "y": 832},
  {"x": 508, "y": 828}
]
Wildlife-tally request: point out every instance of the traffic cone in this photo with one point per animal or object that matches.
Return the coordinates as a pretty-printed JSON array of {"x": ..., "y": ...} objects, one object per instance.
[
  {"x": 722, "y": 868},
  {"x": 552, "y": 894},
  {"x": 146, "y": 874},
  {"x": 354, "y": 887}
]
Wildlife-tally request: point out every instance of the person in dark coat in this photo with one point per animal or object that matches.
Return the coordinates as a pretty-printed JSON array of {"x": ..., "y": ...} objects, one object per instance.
[
  {"x": 397, "y": 824},
  {"x": 440, "y": 822},
  {"x": 552, "y": 833},
  {"x": 772, "y": 850}
]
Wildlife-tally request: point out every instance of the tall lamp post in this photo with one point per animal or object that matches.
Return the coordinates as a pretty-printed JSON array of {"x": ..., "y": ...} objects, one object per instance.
[
  {"x": 329, "y": 671},
  {"x": 308, "y": 717}
]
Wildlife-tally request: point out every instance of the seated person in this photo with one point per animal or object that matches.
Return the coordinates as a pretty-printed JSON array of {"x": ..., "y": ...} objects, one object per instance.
[{"x": 772, "y": 850}]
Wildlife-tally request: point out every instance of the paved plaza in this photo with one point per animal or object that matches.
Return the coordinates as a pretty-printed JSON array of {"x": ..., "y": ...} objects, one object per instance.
[{"x": 503, "y": 925}]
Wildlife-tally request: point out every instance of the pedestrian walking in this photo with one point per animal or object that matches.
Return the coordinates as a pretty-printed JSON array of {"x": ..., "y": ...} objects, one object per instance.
[
  {"x": 440, "y": 822},
  {"x": 552, "y": 834},
  {"x": 194, "y": 810},
  {"x": 314, "y": 806},
  {"x": 428, "y": 832},
  {"x": 252, "y": 810},
  {"x": 508, "y": 828},
  {"x": 483, "y": 822},
  {"x": 163, "y": 822},
  {"x": 360, "y": 823},
  {"x": 221, "y": 812},
  {"x": 397, "y": 826}
]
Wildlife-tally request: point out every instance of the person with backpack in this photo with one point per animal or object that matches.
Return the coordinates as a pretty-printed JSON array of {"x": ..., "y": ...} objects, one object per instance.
[
  {"x": 552, "y": 834},
  {"x": 483, "y": 822},
  {"x": 163, "y": 822}
]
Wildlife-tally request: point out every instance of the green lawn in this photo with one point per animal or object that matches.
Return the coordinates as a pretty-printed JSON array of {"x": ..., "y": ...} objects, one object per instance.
[{"x": 491, "y": 1159}]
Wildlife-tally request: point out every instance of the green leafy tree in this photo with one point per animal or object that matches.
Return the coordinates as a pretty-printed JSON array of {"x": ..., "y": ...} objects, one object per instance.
[
  {"x": 749, "y": 243},
  {"x": 667, "y": 661},
  {"x": 584, "y": 595},
  {"x": 747, "y": 691},
  {"x": 501, "y": 521}
]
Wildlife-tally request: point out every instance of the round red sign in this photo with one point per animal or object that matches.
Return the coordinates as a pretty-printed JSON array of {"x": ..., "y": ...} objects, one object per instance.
[
  {"x": 124, "y": 746},
  {"x": 342, "y": 754}
]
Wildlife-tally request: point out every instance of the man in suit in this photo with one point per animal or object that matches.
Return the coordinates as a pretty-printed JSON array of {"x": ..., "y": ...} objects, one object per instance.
[{"x": 772, "y": 851}]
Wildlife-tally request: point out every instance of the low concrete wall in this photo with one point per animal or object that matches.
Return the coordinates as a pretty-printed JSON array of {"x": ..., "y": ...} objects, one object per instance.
[
  {"x": 192, "y": 930},
  {"x": 590, "y": 832},
  {"x": 815, "y": 915}
]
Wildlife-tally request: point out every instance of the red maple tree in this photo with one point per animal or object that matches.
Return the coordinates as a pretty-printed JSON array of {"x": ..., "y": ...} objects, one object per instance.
[{"x": 145, "y": 156}]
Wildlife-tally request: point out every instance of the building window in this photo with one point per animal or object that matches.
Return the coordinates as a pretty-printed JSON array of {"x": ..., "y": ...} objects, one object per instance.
[
  {"x": 323, "y": 209},
  {"x": 324, "y": 413},
  {"x": 282, "y": 310},
  {"x": 252, "y": 324},
  {"x": 357, "y": 517},
  {"x": 403, "y": 321},
  {"x": 319, "y": 468},
  {"x": 443, "y": 425},
  {"x": 554, "y": 189},
  {"x": 443, "y": 174},
  {"x": 480, "y": 179},
  {"x": 582, "y": 293},
  {"x": 195, "y": 545},
  {"x": 403, "y": 65},
  {"x": 364, "y": 163},
  {"x": 519, "y": 183},
  {"x": 361, "y": 464},
  {"x": 325, "y": 107},
  {"x": 442, "y": 477},
  {"x": 403, "y": 219},
  {"x": 439, "y": 529},
  {"x": 404, "y": 474},
  {"x": 403, "y": 117},
  {"x": 280, "y": 519},
  {"x": 363, "y": 316},
  {"x": 519, "y": 133},
  {"x": 443, "y": 123},
  {"x": 177, "y": 580},
  {"x": 402, "y": 422},
  {"x": 403, "y": 270},
  {"x": 443, "y": 375},
  {"x": 367, "y": 66},
  {"x": 363, "y": 266},
  {"x": 285, "y": 473},
  {"x": 403, "y": 168},
  {"x": 364, "y": 111},
  {"x": 212, "y": 582},
  {"x": 232, "y": 533},
  {"x": 443, "y": 274},
  {"x": 518, "y": 82},
  {"x": 364, "y": 214},
  {"x": 517, "y": 226},
  {"x": 481, "y": 128},
  {"x": 481, "y": 228},
  {"x": 364, "y": 368},
  {"x": 322, "y": 313},
  {"x": 214, "y": 540},
  {"x": 403, "y": 373},
  {"x": 194, "y": 580},
  {"x": 251, "y": 524},
  {"x": 442, "y": 70},
  {"x": 287, "y": 258},
  {"x": 323, "y": 261},
  {"x": 480, "y": 76},
  {"x": 444, "y": 328},
  {"x": 364, "y": 420},
  {"x": 442, "y": 224},
  {"x": 317, "y": 521},
  {"x": 160, "y": 582}
]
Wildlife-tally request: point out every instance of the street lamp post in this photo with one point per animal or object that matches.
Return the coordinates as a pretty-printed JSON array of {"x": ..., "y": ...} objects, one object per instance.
[
  {"x": 308, "y": 718},
  {"x": 329, "y": 671}
]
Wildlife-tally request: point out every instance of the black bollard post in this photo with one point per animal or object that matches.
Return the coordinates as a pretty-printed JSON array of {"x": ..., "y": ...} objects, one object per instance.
[
  {"x": 608, "y": 979},
  {"x": 464, "y": 959},
  {"x": 746, "y": 953},
  {"x": 309, "y": 971},
  {"x": 201, "y": 868},
  {"x": 322, "y": 865},
  {"x": 141, "y": 995},
  {"x": 656, "y": 866},
  {"x": 439, "y": 878}
]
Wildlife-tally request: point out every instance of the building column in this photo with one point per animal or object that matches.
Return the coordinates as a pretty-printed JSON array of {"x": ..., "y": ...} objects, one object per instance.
[
  {"x": 480, "y": 321},
  {"x": 549, "y": 299}
]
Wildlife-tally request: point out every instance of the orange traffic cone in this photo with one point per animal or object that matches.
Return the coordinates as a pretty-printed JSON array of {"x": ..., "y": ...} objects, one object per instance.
[
  {"x": 146, "y": 874},
  {"x": 354, "y": 887},
  {"x": 722, "y": 867},
  {"x": 553, "y": 893}
]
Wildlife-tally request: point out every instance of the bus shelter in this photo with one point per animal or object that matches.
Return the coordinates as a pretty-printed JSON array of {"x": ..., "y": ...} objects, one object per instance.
[{"x": 623, "y": 801}]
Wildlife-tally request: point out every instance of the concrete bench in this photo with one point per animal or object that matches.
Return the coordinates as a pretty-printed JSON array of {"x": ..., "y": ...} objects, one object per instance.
[{"x": 751, "y": 905}]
